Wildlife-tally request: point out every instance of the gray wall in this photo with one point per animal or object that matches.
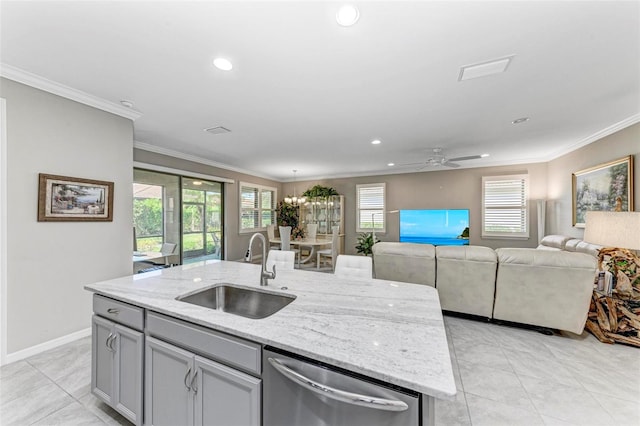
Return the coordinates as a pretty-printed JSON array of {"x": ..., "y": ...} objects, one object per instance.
[
  {"x": 456, "y": 189},
  {"x": 559, "y": 191},
  {"x": 236, "y": 243},
  {"x": 50, "y": 262}
]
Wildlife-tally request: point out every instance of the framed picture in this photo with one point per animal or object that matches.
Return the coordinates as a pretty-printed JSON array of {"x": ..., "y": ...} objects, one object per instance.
[
  {"x": 605, "y": 187},
  {"x": 63, "y": 198}
]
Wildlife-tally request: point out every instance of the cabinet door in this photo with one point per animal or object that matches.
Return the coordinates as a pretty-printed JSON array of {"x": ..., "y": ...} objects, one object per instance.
[
  {"x": 168, "y": 375},
  {"x": 102, "y": 358},
  {"x": 224, "y": 396},
  {"x": 127, "y": 392}
]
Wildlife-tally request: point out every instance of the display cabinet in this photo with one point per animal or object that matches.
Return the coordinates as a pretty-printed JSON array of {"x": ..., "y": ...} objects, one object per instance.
[{"x": 324, "y": 211}]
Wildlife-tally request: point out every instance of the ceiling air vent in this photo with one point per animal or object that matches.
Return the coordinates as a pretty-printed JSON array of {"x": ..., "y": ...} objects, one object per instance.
[
  {"x": 483, "y": 69},
  {"x": 217, "y": 130}
]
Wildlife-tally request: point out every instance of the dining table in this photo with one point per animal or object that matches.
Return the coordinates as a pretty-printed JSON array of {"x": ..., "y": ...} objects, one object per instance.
[{"x": 311, "y": 243}]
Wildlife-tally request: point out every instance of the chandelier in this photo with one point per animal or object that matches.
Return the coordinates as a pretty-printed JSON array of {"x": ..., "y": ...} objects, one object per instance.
[{"x": 295, "y": 201}]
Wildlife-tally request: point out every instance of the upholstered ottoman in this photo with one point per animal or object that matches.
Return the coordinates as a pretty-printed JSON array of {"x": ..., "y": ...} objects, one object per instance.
[
  {"x": 466, "y": 277},
  {"x": 544, "y": 288},
  {"x": 406, "y": 262}
]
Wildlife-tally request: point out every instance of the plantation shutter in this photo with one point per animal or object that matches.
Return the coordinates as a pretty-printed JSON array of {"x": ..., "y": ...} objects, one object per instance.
[
  {"x": 257, "y": 207},
  {"x": 505, "y": 210},
  {"x": 370, "y": 207}
]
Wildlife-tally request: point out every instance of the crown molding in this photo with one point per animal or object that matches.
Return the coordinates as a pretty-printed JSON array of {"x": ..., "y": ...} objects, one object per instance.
[
  {"x": 189, "y": 157},
  {"x": 38, "y": 82},
  {"x": 627, "y": 122}
]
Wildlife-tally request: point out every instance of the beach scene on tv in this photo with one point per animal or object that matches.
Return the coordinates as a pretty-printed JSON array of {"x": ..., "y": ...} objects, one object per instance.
[{"x": 437, "y": 227}]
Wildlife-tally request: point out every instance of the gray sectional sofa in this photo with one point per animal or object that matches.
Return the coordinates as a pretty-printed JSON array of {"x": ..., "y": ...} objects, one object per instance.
[{"x": 548, "y": 287}]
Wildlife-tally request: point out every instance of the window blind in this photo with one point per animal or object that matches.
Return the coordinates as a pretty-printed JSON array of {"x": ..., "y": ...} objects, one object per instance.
[
  {"x": 370, "y": 207},
  {"x": 504, "y": 212},
  {"x": 257, "y": 207}
]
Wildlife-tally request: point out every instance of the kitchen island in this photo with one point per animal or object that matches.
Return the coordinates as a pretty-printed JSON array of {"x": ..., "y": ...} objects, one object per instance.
[{"x": 389, "y": 331}]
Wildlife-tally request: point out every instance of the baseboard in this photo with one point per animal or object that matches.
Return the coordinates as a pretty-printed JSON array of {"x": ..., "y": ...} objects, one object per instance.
[{"x": 42, "y": 347}]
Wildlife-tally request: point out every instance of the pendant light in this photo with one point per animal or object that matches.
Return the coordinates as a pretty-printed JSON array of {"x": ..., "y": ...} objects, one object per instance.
[{"x": 294, "y": 201}]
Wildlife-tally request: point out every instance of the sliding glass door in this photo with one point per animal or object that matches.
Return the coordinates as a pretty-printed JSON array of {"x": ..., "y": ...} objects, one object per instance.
[
  {"x": 181, "y": 210},
  {"x": 201, "y": 219},
  {"x": 155, "y": 220}
]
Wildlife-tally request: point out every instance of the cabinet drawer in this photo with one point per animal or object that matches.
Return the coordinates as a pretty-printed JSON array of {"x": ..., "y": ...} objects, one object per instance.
[
  {"x": 219, "y": 346},
  {"x": 119, "y": 312}
]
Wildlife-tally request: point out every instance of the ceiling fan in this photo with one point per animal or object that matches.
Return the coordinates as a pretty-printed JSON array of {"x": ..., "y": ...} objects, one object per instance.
[{"x": 437, "y": 159}]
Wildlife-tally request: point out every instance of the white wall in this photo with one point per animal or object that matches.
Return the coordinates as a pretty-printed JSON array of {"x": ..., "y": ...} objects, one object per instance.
[{"x": 48, "y": 263}]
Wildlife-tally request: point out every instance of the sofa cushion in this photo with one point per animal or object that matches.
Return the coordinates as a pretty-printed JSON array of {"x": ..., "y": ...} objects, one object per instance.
[
  {"x": 472, "y": 253},
  {"x": 544, "y": 288},
  {"x": 554, "y": 242},
  {"x": 531, "y": 257},
  {"x": 588, "y": 248},
  {"x": 465, "y": 279},
  {"x": 406, "y": 262}
]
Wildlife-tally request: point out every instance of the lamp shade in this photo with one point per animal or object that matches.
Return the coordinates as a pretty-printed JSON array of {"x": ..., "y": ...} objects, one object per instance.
[{"x": 613, "y": 229}]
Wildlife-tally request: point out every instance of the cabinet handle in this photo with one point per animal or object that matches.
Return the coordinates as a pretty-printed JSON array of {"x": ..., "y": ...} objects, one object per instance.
[
  {"x": 185, "y": 379},
  {"x": 193, "y": 381},
  {"x": 113, "y": 311},
  {"x": 108, "y": 342},
  {"x": 113, "y": 339}
]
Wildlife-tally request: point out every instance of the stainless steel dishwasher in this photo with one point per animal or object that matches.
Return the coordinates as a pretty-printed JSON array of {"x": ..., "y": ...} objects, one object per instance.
[{"x": 301, "y": 392}]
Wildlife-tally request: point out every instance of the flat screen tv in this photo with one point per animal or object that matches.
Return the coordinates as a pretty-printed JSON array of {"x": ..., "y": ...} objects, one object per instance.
[{"x": 437, "y": 227}]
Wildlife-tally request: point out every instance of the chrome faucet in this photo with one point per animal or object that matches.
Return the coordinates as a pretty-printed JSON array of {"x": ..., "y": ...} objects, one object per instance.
[{"x": 265, "y": 275}]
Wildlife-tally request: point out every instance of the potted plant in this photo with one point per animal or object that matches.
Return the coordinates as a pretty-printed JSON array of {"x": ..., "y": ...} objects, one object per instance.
[
  {"x": 288, "y": 215},
  {"x": 365, "y": 243},
  {"x": 319, "y": 191}
]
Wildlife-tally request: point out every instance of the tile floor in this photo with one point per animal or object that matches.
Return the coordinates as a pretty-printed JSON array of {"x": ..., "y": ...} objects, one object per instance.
[{"x": 504, "y": 375}]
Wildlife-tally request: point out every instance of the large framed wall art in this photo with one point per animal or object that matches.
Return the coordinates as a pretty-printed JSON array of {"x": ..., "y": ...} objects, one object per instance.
[
  {"x": 63, "y": 198},
  {"x": 605, "y": 187}
]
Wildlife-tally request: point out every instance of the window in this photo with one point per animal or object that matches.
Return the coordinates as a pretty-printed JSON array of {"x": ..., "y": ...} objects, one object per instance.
[
  {"x": 504, "y": 206},
  {"x": 370, "y": 207},
  {"x": 257, "y": 207}
]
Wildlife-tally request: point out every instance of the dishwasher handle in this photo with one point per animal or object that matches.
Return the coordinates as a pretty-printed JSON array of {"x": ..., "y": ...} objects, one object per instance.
[{"x": 338, "y": 394}]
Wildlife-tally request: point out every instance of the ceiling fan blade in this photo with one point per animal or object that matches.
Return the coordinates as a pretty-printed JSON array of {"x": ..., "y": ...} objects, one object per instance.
[
  {"x": 469, "y": 157},
  {"x": 450, "y": 164},
  {"x": 421, "y": 163}
]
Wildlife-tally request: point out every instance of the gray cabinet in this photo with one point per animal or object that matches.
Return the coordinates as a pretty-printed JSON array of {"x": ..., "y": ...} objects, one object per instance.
[
  {"x": 187, "y": 389},
  {"x": 116, "y": 373}
]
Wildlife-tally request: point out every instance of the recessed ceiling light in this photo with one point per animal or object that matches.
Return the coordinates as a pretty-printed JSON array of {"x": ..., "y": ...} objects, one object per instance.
[
  {"x": 391, "y": 164},
  {"x": 197, "y": 183},
  {"x": 520, "y": 120},
  {"x": 484, "y": 155},
  {"x": 376, "y": 142},
  {"x": 223, "y": 64},
  {"x": 126, "y": 103},
  {"x": 347, "y": 15}
]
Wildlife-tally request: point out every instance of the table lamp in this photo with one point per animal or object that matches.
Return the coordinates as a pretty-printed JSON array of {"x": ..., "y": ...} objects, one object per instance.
[{"x": 613, "y": 229}]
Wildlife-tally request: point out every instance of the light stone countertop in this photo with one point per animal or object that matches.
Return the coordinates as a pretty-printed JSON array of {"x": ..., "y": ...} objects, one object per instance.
[{"x": 386, "y": 330}]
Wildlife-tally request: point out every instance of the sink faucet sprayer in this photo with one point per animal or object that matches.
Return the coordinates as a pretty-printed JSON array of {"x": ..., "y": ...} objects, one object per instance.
[{"x": 265, "y": 275}]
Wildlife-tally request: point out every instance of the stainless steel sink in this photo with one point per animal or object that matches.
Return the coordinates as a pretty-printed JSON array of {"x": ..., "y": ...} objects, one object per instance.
[{"x": 246, "y": 302}]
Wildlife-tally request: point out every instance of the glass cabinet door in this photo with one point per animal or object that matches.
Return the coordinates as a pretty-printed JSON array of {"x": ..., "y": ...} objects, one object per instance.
[{"x": 326, "y": 212}]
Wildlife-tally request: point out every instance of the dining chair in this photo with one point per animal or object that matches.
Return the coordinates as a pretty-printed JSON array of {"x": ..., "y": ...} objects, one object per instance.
[
  {"x": 167, "y": 250},
  {"x": 284, "y": 260},
  {"x": 285, "y": 241},
  {"x": 354, "y": 266},
  {"x": 271, "y": 235},
  {"x": 312, "y": 231},
  {"x": 331, "y": 252},
  {"x": 311, "y": 234}
]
